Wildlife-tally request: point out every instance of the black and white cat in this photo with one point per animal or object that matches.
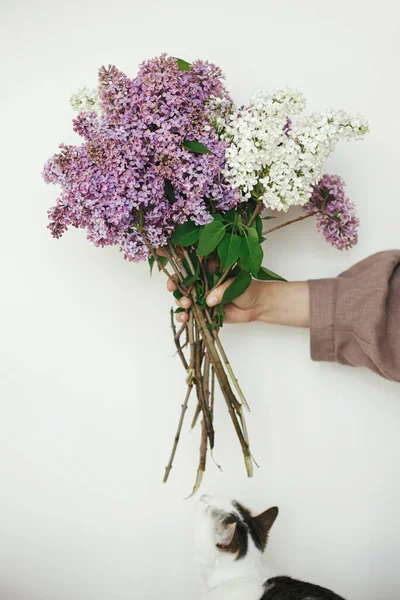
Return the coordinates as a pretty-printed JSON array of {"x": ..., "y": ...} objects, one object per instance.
[{"x": 229, "y": 545}]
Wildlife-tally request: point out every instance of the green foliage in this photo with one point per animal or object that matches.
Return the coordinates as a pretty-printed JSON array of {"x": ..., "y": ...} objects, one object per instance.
[
  {"x": 230, "y": 216},
  {"x": 239, "y": 250},
  {"x": 192, "y": 277},
  {"x": 196, "y": 146},
  {"x": 219, "y": 315},
  {"x": 251, "y": 252},
  {"x": 229, "y": 250},
  {"x": 162, "y": 261},
  {"x": 237, "y": 287},
  {"x": 258, "y": 225},
  {"x": 151, "y": 261},
  {"x": 186, "y": 234},
  {"x": 210, "y": 236},
  {"x": 194, "y": 262},
  {"x": 215, "y": 279},
  {"x": 183, "y": 65},
  {"x": 266, "y": 275}
]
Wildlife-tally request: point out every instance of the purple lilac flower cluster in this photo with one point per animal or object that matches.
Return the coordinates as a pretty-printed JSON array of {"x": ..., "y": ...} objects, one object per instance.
[
  {"x": 336, "y": 216},
  {"x": 119, "y": 178}
]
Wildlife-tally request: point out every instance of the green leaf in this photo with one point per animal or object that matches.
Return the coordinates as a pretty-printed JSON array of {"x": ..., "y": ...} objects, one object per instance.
[
  {"x": 200, "y": 288},
  {"x": 219, "y": 315},
  {"x": 251, "y": 252},
  {"x": 151, "y": 261},
  {"x": 210, "y": 237},
  {"x": 186, "y": 234},
  {"x": 217, "y": 216},
  {"x": 194, "y": 262},
  {"x": 169, "y": 190},
  {"x": 200, "y": 297},
  {"x": 162, "y": 261},
  {"x": 210, "y": 280},
  {"x": 179, "y": 310},
  {"x": 230, "y": 216},
  {"x": 267, "y": 275},
  {"x": 237, "y": 287},
  {"x": 191, "y": 278},
  {"x": 229, "y": 250},
  {"x": 267, "y": 218},
  {"x": 195, "y": 146},
  {"x": 201, "y": 301},
  {"x": 262, "y": 239},
  {"x": 258, "y": 224},
  {"x": 236, "y": 269},
  {"x": 177, "y": 294},
  {"x": 183, "y": 65}
]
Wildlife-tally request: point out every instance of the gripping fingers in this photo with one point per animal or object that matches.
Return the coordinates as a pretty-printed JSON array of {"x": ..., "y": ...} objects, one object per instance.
[{"x": 215, "y": 296}]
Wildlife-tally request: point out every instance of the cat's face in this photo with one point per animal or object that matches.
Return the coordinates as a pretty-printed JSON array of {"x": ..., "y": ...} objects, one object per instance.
[{"x": 227, "y": 531}]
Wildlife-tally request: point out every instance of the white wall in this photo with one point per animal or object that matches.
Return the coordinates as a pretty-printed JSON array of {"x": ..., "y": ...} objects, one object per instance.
[{"x": 90, "y": 393}]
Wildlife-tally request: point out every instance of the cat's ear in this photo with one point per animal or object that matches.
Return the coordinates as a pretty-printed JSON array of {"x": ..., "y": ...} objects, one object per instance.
[
  {"x": 224, "y": 534},
  {"x": 266, "y": 519}
]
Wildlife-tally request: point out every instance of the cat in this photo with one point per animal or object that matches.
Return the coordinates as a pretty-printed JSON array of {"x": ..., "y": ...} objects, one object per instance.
[{"x": 229, "y": 545}]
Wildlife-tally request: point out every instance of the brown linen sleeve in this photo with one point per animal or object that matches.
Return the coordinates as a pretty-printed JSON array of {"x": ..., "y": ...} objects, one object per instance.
[{"x": 355, "y": 318}]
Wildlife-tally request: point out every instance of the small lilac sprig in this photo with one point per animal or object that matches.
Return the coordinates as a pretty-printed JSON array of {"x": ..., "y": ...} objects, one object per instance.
[{"x": 335, "y": 213}]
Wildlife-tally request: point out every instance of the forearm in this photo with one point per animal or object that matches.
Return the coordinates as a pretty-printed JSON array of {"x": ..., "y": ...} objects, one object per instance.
[
  {"x": 284, "y": 303},
  {"x": 355, "y": 318}
]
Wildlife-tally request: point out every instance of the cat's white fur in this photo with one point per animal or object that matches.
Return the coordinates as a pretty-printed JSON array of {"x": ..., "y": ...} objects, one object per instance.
[{"x": 226, "y": 578}]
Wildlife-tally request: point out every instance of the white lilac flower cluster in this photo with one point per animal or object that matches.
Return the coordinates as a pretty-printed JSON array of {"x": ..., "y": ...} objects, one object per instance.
[
  {"x": 275, "y": 160},
  {"x": 219, "y": 109},
  {"x": 86, "y": 100}
]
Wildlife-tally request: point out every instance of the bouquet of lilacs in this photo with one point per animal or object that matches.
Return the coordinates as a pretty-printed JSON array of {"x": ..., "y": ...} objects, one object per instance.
[{"x": 172, "y": 172}]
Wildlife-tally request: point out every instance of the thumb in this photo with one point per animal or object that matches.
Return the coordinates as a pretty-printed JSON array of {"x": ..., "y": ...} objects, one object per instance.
[{"x": 215, "y": 296}]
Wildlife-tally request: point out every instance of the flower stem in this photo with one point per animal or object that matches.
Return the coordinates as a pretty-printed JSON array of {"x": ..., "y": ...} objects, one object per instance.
[
  {"x": 227, "y": 364},
  {"x": 209, "y": 340},
  {"x": 157, "y": 259},
  {"x": 257, "y": 211},
  {"x": 178, "y": 433},
  {"x": 312, "y": 214},
  {"x": 202, "y": 460},
  {"x": 220, "y": 346},
  {"x": 196, "y": 416},
  {"x": 200, "y": 392},
  {"x": 190, "y": 381},
  {"x": 224, "y": 385},
  {"x": 177, "y": 343}
]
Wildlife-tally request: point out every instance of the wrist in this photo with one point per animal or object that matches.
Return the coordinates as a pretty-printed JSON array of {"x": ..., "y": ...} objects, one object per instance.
[{"x": 283, "y": 303}]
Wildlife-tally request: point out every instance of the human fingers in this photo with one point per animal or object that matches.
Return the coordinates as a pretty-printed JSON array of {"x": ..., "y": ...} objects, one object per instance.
[
  {"x": 171, "y": 283},
  {"x": 182, "y": 317},
  {"x": 215, "y": 296}
]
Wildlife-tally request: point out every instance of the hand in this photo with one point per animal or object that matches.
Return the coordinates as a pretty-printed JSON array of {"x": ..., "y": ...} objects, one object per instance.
[
  {"x": 243, "y": 309},
  {"x": 276, "y": 302}
]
